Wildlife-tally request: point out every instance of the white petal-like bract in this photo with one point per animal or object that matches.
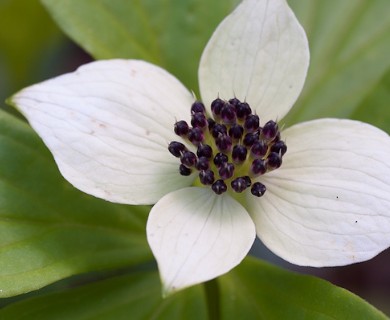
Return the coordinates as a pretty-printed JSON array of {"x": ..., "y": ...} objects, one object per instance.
[
  {"x": 260, "y": 54},
  {"x": 108, "y": 125},
  {"x": 197, "y": 235},
  {"x": 329, "y": 203}
]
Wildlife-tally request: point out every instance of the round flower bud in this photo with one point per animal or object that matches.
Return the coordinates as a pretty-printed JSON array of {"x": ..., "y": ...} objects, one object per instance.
[
  {"x": 216, "y": 107},
  {"x": 259, "y": 149},
  {"x": 218, "y": 129},
  {"x": 279, "y": 147},
  {"x": 234, "y": 102},
  {"x": 196, "y": 136},
  {"x": 224, "y": 143},
  {"x": 236, "y": 131},
  {"x": 274, "y": 160},
  {"x": 258, "y": 167},
  {"x": 226, "y": 170},
  {"x": 198, "y": 107},
  {"x": 243, "y": 110},
  {"x": 219, "y": 186},
  {"x": 239, "y": 184},
  {"x": 176, "y": 148},
  {"x": 202, "y": 164},
  {"x": 220, "y": 159},
  {"x": 251, "y": 138},
  {"x": 184, "y": 171},
  {"x": 252, "y": 123},
  {"x": 239, "y": 153},
  {"x": 248, "y": 181},
  {"x": 258, "y": 189},
  {"x": 204, "y": 150},
  {"x": 199, "y": 120},
  {"x": 228, "y": 114},
  {"x": 270, "y": 130},
  {"x": 181, "y": 128},
  {"x": 206, "y": 177},
  {"x": 188, "y": 158}
]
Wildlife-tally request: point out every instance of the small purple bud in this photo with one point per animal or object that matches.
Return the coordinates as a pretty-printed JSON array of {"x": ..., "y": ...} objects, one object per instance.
[
  {"x": 204, "y": 150},
  {"x": 226, "y": 171},
  {"x": 274, "y": 160},
  {"x": 270, "y": 130},
  {"x": 199, "y": 120},
  {"x": 279, "y": 147},
  {"x": 234, "y": 102},
  {"x": 196, "y": 136},
  {"x": 176, "y": 148},
  {"x": 243, "y": 110},
  {"x": 224, "y": 143},
  {"x": 216, "y": 107},
  {"x": 184, "y": 171},
  {"x": 220, "y": 158},
  {"x": 259, "y": 149},
  {"x": 236, "y": 131},
  {"x": 202, "y": 164},
  {"x": 248, "y": 181},
  {"x": 258, "y": 189},
  {"x": 219, "y": 186},
  {"x": 251, "y": 138},
  {"x": 218, "y": 129},
  {"x": 258, "y": 167},
  {"x": 228, "y": 114},
  {"x": 181, "y": 128},
  {"x": 198, "y": 106},
  {"x": 239, "y": 153},
  {"x": 239, "y": 184},
  {"x": 188, "y": 158},
  {"x": 206, "y": 177},
  {"x": 252, "y": 123}
]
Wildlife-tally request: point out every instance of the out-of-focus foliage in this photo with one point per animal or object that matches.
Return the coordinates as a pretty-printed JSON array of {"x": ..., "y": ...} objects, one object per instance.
[
  {"x": 350, "y": 44},
  {"x": 375, "y": 107},
  {"x": 28, "y": 40}
]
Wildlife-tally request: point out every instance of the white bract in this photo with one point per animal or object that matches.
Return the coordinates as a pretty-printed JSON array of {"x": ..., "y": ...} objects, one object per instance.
[{"x": 109, "y": 123}]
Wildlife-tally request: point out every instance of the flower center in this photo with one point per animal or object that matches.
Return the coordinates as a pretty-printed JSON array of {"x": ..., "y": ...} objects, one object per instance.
[{"x": 230, "y": 150}]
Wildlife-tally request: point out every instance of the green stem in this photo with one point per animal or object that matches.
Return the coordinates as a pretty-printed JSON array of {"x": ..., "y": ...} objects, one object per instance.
[{"x": 213, "y": 299}]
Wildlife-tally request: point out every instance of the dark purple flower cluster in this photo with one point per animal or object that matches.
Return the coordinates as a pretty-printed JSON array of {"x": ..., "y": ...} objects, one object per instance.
[{"x": 229, "y": 148}]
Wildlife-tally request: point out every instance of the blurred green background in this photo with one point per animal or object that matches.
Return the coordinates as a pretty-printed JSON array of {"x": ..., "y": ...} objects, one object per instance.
[{"x": 32, "y": 48}]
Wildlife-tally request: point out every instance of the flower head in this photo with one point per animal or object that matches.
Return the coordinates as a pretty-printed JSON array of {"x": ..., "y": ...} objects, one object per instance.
[{"x": 219, "y": 171}]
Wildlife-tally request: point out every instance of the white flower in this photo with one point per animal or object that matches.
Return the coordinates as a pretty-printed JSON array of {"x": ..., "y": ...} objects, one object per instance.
[{"x": 109, "y": 123}]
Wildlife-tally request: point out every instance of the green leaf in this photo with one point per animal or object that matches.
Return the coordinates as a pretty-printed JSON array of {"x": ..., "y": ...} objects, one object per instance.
[
  {"x": 257, "y": 290},
  {"x": 350, "y": 45},
  {"x": 134, "y": 296},
  {"x": 374, "y": 108},
  {"x": 254, "y": 290},
  {"x": 169, "y": 33},
  {"x": 48, "y": 229}
]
